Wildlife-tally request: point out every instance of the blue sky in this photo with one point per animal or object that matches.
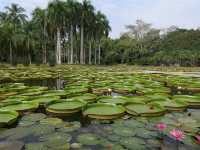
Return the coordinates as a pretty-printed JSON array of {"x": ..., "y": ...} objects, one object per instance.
[{"x": 161, "y": 13}]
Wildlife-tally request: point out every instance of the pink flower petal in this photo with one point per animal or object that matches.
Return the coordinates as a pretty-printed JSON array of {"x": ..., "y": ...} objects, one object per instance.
[
  {"x": 161, "y": 126},
  {"x": 177, "y": 134}
]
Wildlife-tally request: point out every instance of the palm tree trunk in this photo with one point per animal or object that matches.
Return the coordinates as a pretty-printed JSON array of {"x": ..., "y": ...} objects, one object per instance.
[
  {"x": 72, "y": 46},
  {"x": 90, "y": 52},
  {"x": 29, "y": 52},
  {"x": 44, "y": 59},
  {"x": 58, "y": 47},
  {"x": 99, "y": 49},
  {"x": 11, "y": 55},
  {"x": 44, "y": 54},
  {"x": 95, "y": 56},
  {"x": 82, "y": 39}
]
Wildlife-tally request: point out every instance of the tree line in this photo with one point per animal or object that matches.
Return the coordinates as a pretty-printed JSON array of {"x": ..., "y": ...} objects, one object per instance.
[
  {"x": 64, "y": 32},
  {"x": 144, "y": 45},
  {"x": 74, "y": 32}
]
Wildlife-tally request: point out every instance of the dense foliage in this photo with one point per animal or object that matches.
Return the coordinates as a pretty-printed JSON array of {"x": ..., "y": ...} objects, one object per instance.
[
  {"x": 65, "y": 32},
  {"x": 180, "y": 47}
]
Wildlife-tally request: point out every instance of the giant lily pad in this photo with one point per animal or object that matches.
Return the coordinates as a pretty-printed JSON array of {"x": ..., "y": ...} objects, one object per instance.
[
  {"x": 63, "y": 108},
  {"x": 21, "y": 106},
  {"x": 43, "y": 100},
  {"x": 193, "y": 101},
  {"x": 7, "y": 117},
  {"x": 89, "y": 98},
  {"x": 173, "y": 105},
  {"x": 103, "y": 111},
  {"x": 112, "y": 100},
  {"x": 144, "y": 110}
]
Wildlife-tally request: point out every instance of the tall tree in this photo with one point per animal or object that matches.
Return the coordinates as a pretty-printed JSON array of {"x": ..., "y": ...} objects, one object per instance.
[
  {"x": 56, "y": 15},
  {"x": 102, "y": 29},
  {"x": 15, "y": 19},
  {"x": 86, "y": 10},
  {"x": 40, "y": 22}
]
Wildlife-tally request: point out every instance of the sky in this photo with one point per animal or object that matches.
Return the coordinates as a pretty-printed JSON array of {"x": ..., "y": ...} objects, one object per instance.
[{"x": 160, "y": 13}]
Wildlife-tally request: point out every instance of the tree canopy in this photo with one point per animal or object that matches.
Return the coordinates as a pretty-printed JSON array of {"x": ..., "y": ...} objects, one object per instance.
[
  {"x": 64, "y": 32},
  {"x": 75, "y": 32}
]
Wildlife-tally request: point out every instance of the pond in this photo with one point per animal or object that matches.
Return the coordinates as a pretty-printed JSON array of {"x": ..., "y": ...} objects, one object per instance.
[{"x": 96, "y": 109}]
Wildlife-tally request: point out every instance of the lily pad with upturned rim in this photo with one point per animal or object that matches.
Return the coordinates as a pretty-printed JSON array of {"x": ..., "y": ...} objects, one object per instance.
[
  {"x": 173, "y": 105},
  {"x": 7, "y": 117},
  {"x": 21, "y": 106},
  {"x": 64, "y": 107},
  {"x": 43, "y": 100},
  {"x": 112, "y": 100},
  {"x": 191, "y": 100},
  {"x": 103, "y": 111},
  {"x": 88, "y": 97},
  {"x": 144, "y": 110}
]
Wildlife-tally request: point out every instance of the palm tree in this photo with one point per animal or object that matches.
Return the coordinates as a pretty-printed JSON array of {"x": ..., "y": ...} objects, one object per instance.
[
  {"x": 102, "y": 29},
  {"x": 14, "y": 20},
  {"x": 56, "y": 16},
  {"x": 40, "y": 21},
  {"x": 29, "y": 38},
  {"x": 72, "y": 14},
  {"x": 86, "y": 10}
]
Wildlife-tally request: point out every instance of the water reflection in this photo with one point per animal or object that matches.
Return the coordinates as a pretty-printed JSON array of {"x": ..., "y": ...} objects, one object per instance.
[{"x": 53, "y": 84}]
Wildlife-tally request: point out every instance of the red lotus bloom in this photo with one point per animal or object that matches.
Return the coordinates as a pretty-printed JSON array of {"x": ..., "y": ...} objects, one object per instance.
[
  {"x": 161, "y": 126},
  {"x": 177, "y": 134},
  {"x": 198, "y": 139}
]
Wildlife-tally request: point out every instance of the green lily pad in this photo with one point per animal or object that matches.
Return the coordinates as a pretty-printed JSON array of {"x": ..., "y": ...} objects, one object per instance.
[
  {"x": 124, "y": 131},
  {"x": 103, "y": 111},
  {"x": 88, "y": 139},
  {"x": 51, "y": 121},
  {"x": 14, "y": 145},
  {"x": 20, "y": 133},
  {"x": 89, "y": 98},
  {"x": 58, "y": 141},
  {"x": 41, "y": 129},
  {"x": 112, "y": 100},
  {"x": 43, "y": 100},
  {"x": 193, "y": 101},
  {"x": 36, "y": 146},
  {"x": 64, "y": 108},
  {"x": 144, "y": 110},
  {"x": 21, "y": 106},
  {"x": 173, "y": 105},
  {"x": 57, "y": 93},
  {"x": 136, "y": 99},
  {"x": 69, "y": 127},
  {"x": 133, "y": 143},
  {"x": 157, "y": 97},
  {"x": 8, "y": 117},
  {"x": 33, "y": 117}
]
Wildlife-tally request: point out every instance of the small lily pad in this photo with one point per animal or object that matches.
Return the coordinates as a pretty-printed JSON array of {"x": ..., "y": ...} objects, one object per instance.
[
  {"x": 88, "y": 139},
  {"x": 51, "y": 121}
]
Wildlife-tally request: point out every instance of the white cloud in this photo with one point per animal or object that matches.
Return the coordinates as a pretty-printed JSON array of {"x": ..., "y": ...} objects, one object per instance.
[{"x": 161, "y": 13}]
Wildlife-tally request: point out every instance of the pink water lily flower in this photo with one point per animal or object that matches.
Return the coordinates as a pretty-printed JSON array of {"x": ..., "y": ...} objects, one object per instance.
[
  {"x": 198, "y": 139},
  {"x": 161, "y": 126},
  {"x": 177, "y": 134}
]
